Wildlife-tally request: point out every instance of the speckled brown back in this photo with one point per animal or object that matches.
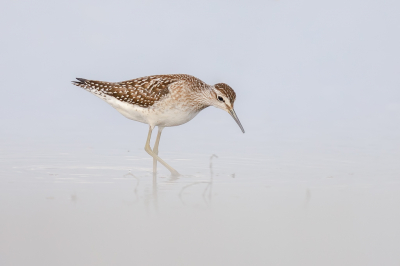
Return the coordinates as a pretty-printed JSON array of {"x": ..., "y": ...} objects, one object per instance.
[
  {"x": 227, "y": 90},
  {"x": 143, "y": 92}
]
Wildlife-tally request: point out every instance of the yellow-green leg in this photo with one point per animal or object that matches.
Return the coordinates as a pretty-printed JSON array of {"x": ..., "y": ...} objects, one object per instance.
[
  {"x": 155, "y": 156},
  {"x": 155, "y": 149}
]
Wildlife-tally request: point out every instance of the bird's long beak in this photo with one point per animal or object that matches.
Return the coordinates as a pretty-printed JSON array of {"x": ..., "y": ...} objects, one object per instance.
[{"x": 233, "y": 114}]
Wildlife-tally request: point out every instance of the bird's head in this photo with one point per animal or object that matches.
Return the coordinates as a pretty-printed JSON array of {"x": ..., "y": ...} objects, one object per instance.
[{"x": 223, "y": 97}]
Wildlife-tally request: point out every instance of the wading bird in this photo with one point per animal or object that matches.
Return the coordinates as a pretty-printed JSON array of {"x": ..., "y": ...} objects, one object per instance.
[{"x": 163, "y": 101}]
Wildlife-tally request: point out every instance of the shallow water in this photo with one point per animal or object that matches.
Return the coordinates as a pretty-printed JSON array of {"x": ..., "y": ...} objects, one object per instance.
[
  {"x": 314, "y": 181},
  {"x": 81, "y": 205}
]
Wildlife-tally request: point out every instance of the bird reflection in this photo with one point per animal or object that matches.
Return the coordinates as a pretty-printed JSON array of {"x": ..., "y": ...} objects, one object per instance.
[
  {"x": 148, "y": 192},
  {"x": 155, "y": 192},
  {"x": 151, "y": 196}
]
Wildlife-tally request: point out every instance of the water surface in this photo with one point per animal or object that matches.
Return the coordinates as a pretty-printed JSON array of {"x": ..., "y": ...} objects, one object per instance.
[{"x": 81, "y": 205}]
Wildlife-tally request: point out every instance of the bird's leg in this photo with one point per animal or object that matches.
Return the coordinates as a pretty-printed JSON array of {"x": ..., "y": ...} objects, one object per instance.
[
  {"x": 155, "y": 156},
  {"x": 155, "y": 149}
]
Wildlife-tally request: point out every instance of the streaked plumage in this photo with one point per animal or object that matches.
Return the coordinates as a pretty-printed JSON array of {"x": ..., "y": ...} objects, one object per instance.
[{"x": 162, "y": 100}]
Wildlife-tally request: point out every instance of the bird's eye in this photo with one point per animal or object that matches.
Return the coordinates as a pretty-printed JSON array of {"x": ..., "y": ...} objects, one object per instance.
[{"x": 220, "y": 99}]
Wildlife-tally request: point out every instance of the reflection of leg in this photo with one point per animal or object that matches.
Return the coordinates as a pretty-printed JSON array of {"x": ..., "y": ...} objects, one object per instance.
[
  {"x": 155, "y": 149},
  {"x": 155, "y": 196},
  {"x": 155, "y": 156}
]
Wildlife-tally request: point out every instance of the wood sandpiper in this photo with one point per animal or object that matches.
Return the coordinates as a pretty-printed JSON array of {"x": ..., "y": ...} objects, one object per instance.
[{"x": 163, "y": 101}]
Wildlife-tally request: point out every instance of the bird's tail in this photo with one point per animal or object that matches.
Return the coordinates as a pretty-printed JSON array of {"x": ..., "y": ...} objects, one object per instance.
[
  {"x": 81, "y": 82},
  {"x": 91, "y": 86}
]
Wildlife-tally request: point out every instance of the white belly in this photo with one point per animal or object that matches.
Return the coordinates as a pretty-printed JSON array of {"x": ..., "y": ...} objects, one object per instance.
[{"x": 164, "y": 117}]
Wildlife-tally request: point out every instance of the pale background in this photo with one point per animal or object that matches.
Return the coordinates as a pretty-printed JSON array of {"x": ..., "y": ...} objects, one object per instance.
[{"x": 315, "y": 180}]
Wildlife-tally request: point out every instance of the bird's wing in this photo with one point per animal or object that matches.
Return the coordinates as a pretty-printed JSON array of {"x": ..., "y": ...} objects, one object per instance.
[{"x": 143, "y": 92}]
